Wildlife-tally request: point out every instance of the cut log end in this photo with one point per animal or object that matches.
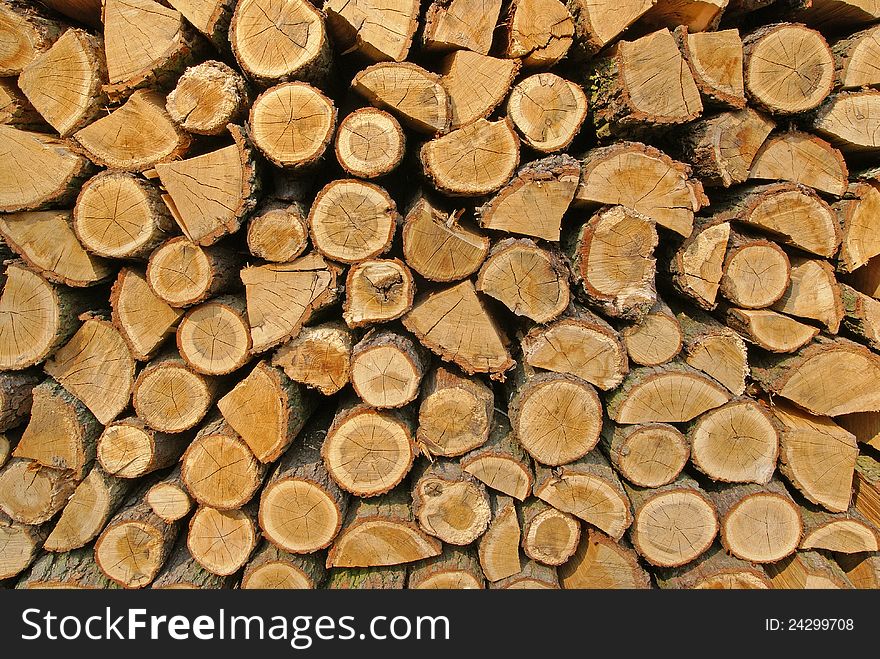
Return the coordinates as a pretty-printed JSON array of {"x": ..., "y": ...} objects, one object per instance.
[
  {"x": 369, "y": 143},
  {"x": 221, "y": 541},
  {"x": 547, "y": 111}
]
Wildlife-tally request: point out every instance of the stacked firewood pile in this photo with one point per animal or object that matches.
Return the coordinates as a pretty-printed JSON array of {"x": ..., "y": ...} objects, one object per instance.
[{"x": 461, "y": 294}]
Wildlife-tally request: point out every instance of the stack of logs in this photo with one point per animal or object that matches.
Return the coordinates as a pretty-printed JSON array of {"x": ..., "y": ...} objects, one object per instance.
[{"x": 462, "y": 294}]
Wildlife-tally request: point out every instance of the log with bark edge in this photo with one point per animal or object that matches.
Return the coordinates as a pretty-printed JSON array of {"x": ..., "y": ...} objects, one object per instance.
[
  {"x": 415, "y": 95},
  {"x": 842, "y": 533},
  {"x": 643, "y": 179},
  {"x": 834, "y": 121},
  {"x": 550, "y": 536},
  {"x": 807, "y": 570},
  {"x": 498, "y": 547},
  {"x": 501, "y": 463},
  {"x": 474, "y": 160},
  {"x": 601, "y": 563},
  {"x": 439, "y": 247},
  {"x": 612, "y": 258},
  {"x": 64, "y": 83},
  {"x": 21, "y": 545},
  {"x": 857, "y": 213},
  {"x": 697, "y": 265},
  {"x": 855, "y": 57},
  {"x": 214, "y": 337},
  {"x": 866, "y": 497},
  {"x": 128, "y": 448},
  {"x": 267, "y": 409},
  {"x": 533, "y": 576},
  {"x": 801, "y": 158},
  {"x": 387, "y": 368},
  {"x": 578, "y": 343},
  {"x": 454, "y": 569},
  {"x": 169, "y": 499},
  {"x": 476, "y": 84},
  {"x": 16, "y": 110},
  {"x": 715, "y": 61},
  {"x": 862, "y": 570},
  {"x": 272, "y": 568},
  {"x": 631, "y": 87},
  {"x": 169, "y": 396},
  {"x": 595, "y": 27},
  {"x": 540, "y": 32},
  {"x": 219, "y": 469},
  {"x": 282, "y": 297},
  {"x": 655, "y": 339},
  {"x": 16, "y": 398},
  {"x": 33, "y": 494},
  {"x": 381, "y": 531},
  {"x": 390, "y": 577},
  {"x": 813, "y": 293},
  {"x": 182, "y": 273},
  {"x": 280, "y": 41},
  {"x": 528, "y": 280},
  {"x": 673, "y": 524},
  {"x": 207, "y": 97},
  {"x": 756, "y": 271},
  {"x": 368, "y": 451},
  {"x": 318, "y": 357},
  {"x": 222, "y": 541},
  {"x": 648, "y": 454},
  {"x": 714, "y": 570},
  {"x": 449, "y": 503},
  {"x": 379, "y": 29},
  {"x": 714, "y": 349},
  {"x": 769, "y": 330},
  {"x": 377, "y": 291},
  {"x": 547, "y": 110},
  {"x": 588, "y": 489},
  {"x": 369, "y": 143},
  {"x": 75, "y": 569},
  {"x": 862, "y": 315},
  {"x": 278, "y": 232},
  {"x": 864, "y": 425},
  {"x": 182, "y": 572},
  {"x": 211, "y": 195},
  {"x": 29, "y": 33},
  {"x": 454, "y": 24}
]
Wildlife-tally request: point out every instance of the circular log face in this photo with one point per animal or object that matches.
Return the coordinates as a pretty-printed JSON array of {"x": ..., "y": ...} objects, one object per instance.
[
  {"x": 179, "y": 272},
  {"x": 214, "y": 338},
  {"x": 221, "y": 540},
  {"x": 369, "y": 143},
  {"x": 29, "y": 308},
  {"x": 130, "y": 553},
  {"x": 220, "y": 471},
  {"x": 674, "y": 527},
  {"x": 762, "y": 528},
  {"x": 171, "y": 398},
  {"x": 299, "y": 516},
  {"x": 547, "y": 110}
]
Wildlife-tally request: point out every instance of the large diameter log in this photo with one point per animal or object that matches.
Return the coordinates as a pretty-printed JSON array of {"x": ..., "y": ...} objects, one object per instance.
[
  {"x": 207, "y": 97},
  {"x": 647, "y": 455},
  {"x": 501, "y": 463},
  {"x": 318, "y": 357},
  {"x": 499, "y": 545},
  {"x": 128, "y": 448},
  {"x": 449, "y": 503},
  {"x": 454, "y": 569},
  {"x": 547, "y": 110},
  {"x": 272, "y": 568},
  {"x": 714, "y": 570},
  {"x": 33, "y": 494},
  {"x": 602, "y": 563},
  {"x": 222, "y": 541}
]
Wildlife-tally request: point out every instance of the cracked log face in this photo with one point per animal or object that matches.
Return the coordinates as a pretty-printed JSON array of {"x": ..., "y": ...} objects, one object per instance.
[
  {"x": 207, "y": 97},
  {"x": 221, "y": 540},
  {"x": 539, "y": 32},
  {"x": 547, "y": 111},
  {"x": 415, "y": 95},
  {"x": 801, "y": 158},
  {"x": 369, "y": 143},
  {"x": 476, "y": 84},
  {"x": 379, "y": 29},
  {"x": 170, "y": 397},
  {"x": 214, "y": 337}
]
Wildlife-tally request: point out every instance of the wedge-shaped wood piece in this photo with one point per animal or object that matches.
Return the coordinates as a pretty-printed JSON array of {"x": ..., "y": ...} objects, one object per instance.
[
  {"x": 834, "y": 120},
  {"x": 648, "y": 454},
  {"x": 770, "y": 330},
  {"x": 29, "y": 32},
  {"x": 655, "y": 339},
  {"x": 171, "y": 397},
  {"x": 183, "y": 274},
  {"x": 33, "y": 494},
  {"x": 714, "y": 349},
  {"x": 801, "y": 158},
  {"x": 214, "y": 337},
  {"x": 714, "y": 570},
  {"x": 381, "y": 531},
  {"x": 454, "y": 569},
  {"x": 412, "y": 93},
  {"x": 454, "y": 24},
  {"x": 377, "y": 291},
  {"x": 319, "y": 357},
  {"x": 449, "y": 503},
  {"x": 380, "y": 29},
  {"x": 595, "y": 26},
  {"x": 858, "y": 215},
  {"x": 547, "y": 111},
  {"x": 207, "y": 97},
  {"x": 273, "y": 568},
  {"x": 499, "y": 545},
  {"x": 855, "y": 58},
  {"x": 697, "y": 266},
  {"x": 222, "y": 541},
  {"x": 210, "y": 195},
  {"x": 476, "y": 84},
  {"x": 210, "y": 17},
  {"x": 128, "y": 448},
  {"x": 96, "y": 367},
  {"x": 600, "y": 563},
  {"x": 144, "y": 320},
  {"x": 843, "y": 533},
  {"x": 813, "y": 293},
  {"x": 715, "y": 61},
  {"x": 501, "y": 463}
]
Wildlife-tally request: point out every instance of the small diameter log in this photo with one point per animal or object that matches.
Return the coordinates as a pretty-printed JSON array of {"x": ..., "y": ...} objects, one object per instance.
[
  {"x": 579, "y": 343},
  {"x": 556, "y": 417},
  {"x": 183, "y": 274},
  {"x": 721, "y": 148},
  {"x": 170, "y": 397},
  {"x": 368, "y": 451},
  {"x": 588, "y": 489},
  {"x": 369, "y": 143},
  {"x": 714, "y": 349},
  {"x": 612, "y": 258},
  {"x": 441, "y": 321},
  {"x": 632, "y": 85},
  {"x": 64, "y": 83},
  {"x": 333, "y": 232},
  {"x": 21, "y": 544},
  {"x": 222, "y": 541},
  {"x": 673, "y": 524},
  {"x": 449, "y": 503},
  {"x": 134, "y": 137},
  {"x": 75, "y": 569},
  {"x": 282, "y": 297},
  {"x": 128, "y": 448},
  {"x": 595, "y": 26},
  {"x": 476, "y": 84},
  {"x": 33, "y": 494},
  {"x": 412, "y": 94},
  {"x": 454, "y": 569},
  {"x": 714, "y": 570},
  {"x": 534, "y": 202},
  {"x": 268, "y": 49},
  {"x": 854, "y": 58},
  {"x": 672, "y": 393},
  {"x": 143, "y": 318},
  {"x": 437, "y": 246},
  {"x": 813, "y": 293},
  {"x": 207, "y": 98},
  {"x": 96, "y": 367},
  {"x": 715, "y": 60},
  {"x": 533, "y": 576},
  {"x": 735, "y": 443},
  {"x": 501, "y": 463},
  {"x": 319, "y": 357},
  {"x": 29, "y": 33},
  {"x": 862, "y": 315},
  {"x": 387, "y": 368},
  {"x": 377, "y": 291},
  {"x": 801, "y": 158},
  {"x": 135, "y": 544},
  {"x": 499, "y": 545},
  {"x": 655, "y": 185},
  {"x": 475, "y": 160},
  {"x": 87, "y": 512},
  {"x": 40, "y": 170},
  {"x": 864, "y": 425},
  {"x": 454, "y": 24},
  {"x": 273, "y": 569},
  {"x": 182, "y": 572},
  {"x": 769, "y": 330},
  {"x": 550, "y": 537},
  {"x": 391, "y": 577},
  {"x": 528, "y": 280},
  {"x": 292, "y": 140},
  {"x": 647, "y": 455},
  {"x": 301, "y": 507},
  {"x": 219, "y": 469},
  {"x": 842, "y": 533},
  {"x": 540, "y": 32},
  {"x": 379, "y": 30},
  {"x": 807, "y": 570},
  {"x": 857, "y": 214},
  {"x": 816, "y": 456},
  {"x": 547, "y": 110},
  {"x": 789, "y": 68},
  {"x": 862, "y": 570},
  {"x": 169, "y": 499},
  {"x": 214, "y": 337},
  {"x": 602, "y": 563},
  {"x": 211, "y": 195},
  {"x": 833, "y": 121},
  {"x": 456, "y": 413},
  {"x": 655, "y": 339},
  {"x": 697, "y": 265},
  {"x": 278, "y": 232},
  {"x": 16, "y": 397},
  {"x": 381, "y": 531},
  {"x": 16, "y": 110},
  {"x": 866, "y": 498}
]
